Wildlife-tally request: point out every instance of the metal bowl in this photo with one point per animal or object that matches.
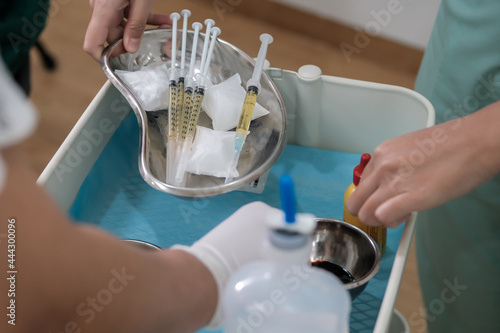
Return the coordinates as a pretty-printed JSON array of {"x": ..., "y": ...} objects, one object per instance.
[
  {"x": 340, "y": 243},
  {"x": 142, "y": 244},
  {"x": 263, "y": 146}
]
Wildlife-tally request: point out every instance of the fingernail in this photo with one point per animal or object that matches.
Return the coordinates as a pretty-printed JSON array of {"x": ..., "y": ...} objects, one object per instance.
[{"x": 133, "y": 45}]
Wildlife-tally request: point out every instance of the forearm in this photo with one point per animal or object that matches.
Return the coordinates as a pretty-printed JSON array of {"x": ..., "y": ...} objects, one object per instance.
[
  {"x": 71, "y": 276},
  {"x": 117, "y": 287}
]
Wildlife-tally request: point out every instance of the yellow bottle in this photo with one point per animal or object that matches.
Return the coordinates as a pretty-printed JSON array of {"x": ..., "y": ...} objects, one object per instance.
[{"x": 379, "y": 234}]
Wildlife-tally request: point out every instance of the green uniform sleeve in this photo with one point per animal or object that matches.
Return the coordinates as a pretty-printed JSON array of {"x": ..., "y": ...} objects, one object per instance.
[{"x": 21, "y": 22}]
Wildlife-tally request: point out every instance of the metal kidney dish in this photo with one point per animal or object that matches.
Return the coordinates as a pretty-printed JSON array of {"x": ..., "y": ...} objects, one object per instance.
[{"x": 263, "y": 145}]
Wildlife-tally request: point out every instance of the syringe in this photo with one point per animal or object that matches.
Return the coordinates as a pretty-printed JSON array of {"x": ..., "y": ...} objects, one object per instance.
[
  {"x": 198, "y": 95},
  {"x": 188, "y": 92},
  {"x": 185, "y": 13},
  {"x": 253, "y": 87},
  {"x": 199, "y": 92},
  {"x": 172, "y": 104}
]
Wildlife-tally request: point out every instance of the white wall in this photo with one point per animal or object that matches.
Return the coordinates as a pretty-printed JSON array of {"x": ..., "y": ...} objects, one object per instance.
[{"x": 405, "y": 21}]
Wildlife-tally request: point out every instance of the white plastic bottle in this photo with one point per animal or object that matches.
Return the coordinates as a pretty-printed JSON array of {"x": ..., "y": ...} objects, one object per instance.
[{"x": 284, "y": 293}]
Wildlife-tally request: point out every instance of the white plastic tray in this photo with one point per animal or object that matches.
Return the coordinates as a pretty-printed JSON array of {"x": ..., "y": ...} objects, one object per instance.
[{"x": 322, "y": 112}]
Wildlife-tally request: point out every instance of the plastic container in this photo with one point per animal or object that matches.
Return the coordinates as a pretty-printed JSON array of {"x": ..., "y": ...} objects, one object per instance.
[
  {"x": 379, "y": 234},
  {"x": 284, "y": 293}
]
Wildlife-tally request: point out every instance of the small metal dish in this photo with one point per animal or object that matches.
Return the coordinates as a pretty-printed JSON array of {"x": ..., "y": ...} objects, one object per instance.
[
  {"x": 340, "y": 243},
  {"x": 142, "y": 244},
  {"x": 263, "y": 146}
]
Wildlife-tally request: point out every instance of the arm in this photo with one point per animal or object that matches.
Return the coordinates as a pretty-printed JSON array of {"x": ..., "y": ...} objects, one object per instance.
[
  {"x": 74, "y": 277},
  {"x": 429, "y": 167},
  {"x": 67, "y": 273},
  {"x": 108, "y": 24}
]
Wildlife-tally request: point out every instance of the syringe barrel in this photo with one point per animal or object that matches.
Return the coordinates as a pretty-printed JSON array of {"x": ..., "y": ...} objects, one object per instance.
[
  {"x": 195, "y": 112},
  {"x": 243, "y": 125},
  {"x": 202, "y": 82},
  {"x": 181, "y": 73},
  {"x": 247, "y": 111},
  {"x": 186, "y": 111},
  {"x": 172, "y": 109},
  {"x": 179, "y": 107},
  {"x": 173, "y": 75}
]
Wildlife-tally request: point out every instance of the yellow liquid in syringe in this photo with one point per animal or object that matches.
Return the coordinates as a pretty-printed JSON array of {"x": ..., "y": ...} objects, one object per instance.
[
  {"x": 172, "y": 132},
  {"x": 187, "y": 107},
  {"x": 247, "y": 111},
  {"x": 195, "y": 113},
  {"x": 179, "y": 106}
]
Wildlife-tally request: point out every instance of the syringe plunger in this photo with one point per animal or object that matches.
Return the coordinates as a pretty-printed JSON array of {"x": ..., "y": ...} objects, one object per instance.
[
  {"x": 206, "y": 66},
  {"x": 197, "y": 27},
  {"x": 185, "y": 13},
  {"x": 266, "y": 39},
  {"x": 209, "y": 23}
]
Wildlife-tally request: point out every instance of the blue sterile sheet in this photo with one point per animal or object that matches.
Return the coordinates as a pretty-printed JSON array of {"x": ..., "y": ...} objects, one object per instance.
[{"x": 115, "y": 197}]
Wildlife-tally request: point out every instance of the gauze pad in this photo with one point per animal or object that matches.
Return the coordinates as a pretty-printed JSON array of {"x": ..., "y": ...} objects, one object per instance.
[
  {"x": 149, "y": 86},
  {"x": 212, "y": 153},
  {"x": 223, "y": 103}
]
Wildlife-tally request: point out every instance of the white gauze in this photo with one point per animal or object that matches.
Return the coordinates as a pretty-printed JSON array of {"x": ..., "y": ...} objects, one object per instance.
[{"x": 223, "y": 103}]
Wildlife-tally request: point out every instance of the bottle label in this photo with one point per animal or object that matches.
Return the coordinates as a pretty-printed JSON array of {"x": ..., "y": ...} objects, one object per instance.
[{"x": 379, "y": 234}]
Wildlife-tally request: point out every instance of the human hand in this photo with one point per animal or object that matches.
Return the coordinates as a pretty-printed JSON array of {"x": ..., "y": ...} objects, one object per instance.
[
  {"x": 112, "y": 19},
  {"x": 426, "y": 168},
  {"x": 233, "y": 243}
]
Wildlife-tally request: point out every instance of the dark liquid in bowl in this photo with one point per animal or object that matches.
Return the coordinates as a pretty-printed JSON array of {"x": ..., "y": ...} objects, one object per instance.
[{"x": 340, "y": 272}]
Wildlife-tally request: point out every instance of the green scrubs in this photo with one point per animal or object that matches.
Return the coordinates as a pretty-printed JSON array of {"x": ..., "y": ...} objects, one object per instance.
[
  {"x": 21, "y": 22},
  {"x": 458, "y": 244}
]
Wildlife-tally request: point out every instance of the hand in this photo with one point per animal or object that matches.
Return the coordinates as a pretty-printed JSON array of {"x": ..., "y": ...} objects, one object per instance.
[
  {"x": 232, "y": 244},
  {"x": 427, "y": 168},
  {"x": 108, "y": 24}
]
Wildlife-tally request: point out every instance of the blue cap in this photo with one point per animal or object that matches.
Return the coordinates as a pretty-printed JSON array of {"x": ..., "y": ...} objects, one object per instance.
[{"x": 287, "y": 194}]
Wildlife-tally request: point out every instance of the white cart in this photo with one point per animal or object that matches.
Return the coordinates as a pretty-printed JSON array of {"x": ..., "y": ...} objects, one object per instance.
[{"x": 323, "y": 112}]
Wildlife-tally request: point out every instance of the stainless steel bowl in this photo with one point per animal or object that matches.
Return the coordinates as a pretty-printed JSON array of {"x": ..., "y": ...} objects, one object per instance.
[
  {"x": 142, "y": 244},
  {"x": 340, "y": 243},
  {"x": 263, "y": 145}
]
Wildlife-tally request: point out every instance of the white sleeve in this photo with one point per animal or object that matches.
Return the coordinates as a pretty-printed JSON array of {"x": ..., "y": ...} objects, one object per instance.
[{"x": 18, "y": 118}]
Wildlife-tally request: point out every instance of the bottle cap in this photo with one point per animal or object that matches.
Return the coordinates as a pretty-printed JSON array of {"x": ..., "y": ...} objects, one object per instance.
[
  {"x": 289, "y": 230},
  {"x": 287, "y": 195},
  {"x": 287, "y": 240},
  {"x": 358, "y": 170}
]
